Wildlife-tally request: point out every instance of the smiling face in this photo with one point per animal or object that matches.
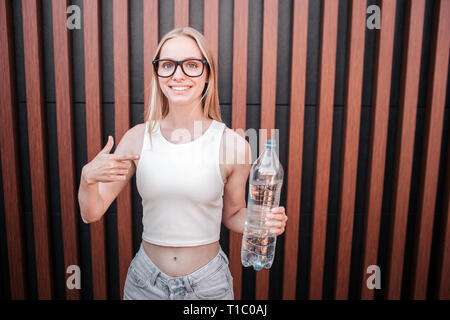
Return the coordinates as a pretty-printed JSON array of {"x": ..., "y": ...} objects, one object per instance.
[{"x": 180, "y": 89}]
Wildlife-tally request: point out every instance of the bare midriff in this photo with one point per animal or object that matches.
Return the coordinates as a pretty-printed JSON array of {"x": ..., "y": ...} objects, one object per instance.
[{"x": 180, "y": 261}]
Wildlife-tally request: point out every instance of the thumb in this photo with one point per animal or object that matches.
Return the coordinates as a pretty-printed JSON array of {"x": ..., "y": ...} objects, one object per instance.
[{"x": 108, "y": 145}]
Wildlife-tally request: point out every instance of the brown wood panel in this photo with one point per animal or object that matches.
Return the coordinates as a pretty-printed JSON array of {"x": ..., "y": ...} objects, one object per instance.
[
  {"x": 443, "y": 269},
  {"x": 324, "y": 130},
  {"x": 239, "y": 113},
  {"x": 9, "y": 151},
  {"x": 295, "y": 151},
  {"x": 268, "y": 103},
  {"x": 378, "y": 137},
  {"x": 181, "y": 13},
  {"x": 350, "y": 145},
  {"x": 31, "y": 12},
  {"x": 122, "y": 124},
  {"x": 211, "y": 26},
  {"x": 437, "y": 85},
  {"x": 93, "y": 87},
  {"x": 412, "y": 50},
  {"x": 150, "y": 10},
  {"x": 64, "y": 122}
]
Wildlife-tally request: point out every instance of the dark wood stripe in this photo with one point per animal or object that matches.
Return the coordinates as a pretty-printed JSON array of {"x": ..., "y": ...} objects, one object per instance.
[
  {"x": 437, "y": 85},
  {"x": 350, "y": 145},
  {"x": 268, "y": 103},
  {"x": 323, "y": 145},
  {"x": 378, "y": 137},
  {"x": 9, "y": 146},
  {"x": 181, "y": 13},
  {"x": 93, "y": 86},
  {"x": 150, "y": 44},
  {"x": 239, "y": 106},
  {"x": 412, "y": 50},
  {"x": 295, "y": 151},
  {"x": 443, "y": 286},
  {"x": 211, "y": 26},
  {"x": 64, "y": 119},
  {"x": 122, "y": 124},
  {"x": 31, "y": 11}
]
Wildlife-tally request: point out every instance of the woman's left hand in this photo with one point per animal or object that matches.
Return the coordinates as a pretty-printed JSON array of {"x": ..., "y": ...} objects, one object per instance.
[{"x": 277, "y": 220}]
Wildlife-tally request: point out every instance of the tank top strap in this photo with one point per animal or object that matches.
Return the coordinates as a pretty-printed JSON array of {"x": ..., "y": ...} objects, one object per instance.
[
  {"x": 218, "y": 127},
  {"x": 146, "y": 142}
]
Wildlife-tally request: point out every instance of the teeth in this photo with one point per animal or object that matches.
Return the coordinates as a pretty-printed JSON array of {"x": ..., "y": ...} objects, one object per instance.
[{"x": 180, "y": 88}]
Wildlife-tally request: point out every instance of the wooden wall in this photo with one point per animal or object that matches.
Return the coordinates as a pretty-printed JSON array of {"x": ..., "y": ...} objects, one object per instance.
[{"x": 363, "y": 119}]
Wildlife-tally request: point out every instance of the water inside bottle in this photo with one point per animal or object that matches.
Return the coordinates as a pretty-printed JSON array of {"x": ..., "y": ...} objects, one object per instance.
[{"x": 258, "y": 244}]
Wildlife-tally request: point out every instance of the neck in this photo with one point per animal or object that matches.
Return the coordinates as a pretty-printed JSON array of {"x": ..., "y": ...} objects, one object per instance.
[{"x": 184, "y": 116}]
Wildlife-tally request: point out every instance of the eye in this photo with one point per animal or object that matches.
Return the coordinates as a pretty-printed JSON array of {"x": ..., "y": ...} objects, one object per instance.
[
  {"x": 193, "y": 64},
  {"x": 167, "y": 65}
]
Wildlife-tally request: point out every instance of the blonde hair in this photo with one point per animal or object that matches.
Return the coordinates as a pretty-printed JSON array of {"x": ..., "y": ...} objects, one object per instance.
[{"x": 158, "y": 107}]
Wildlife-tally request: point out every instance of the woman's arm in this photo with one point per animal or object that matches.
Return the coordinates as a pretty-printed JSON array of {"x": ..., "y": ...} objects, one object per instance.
[
  {"x": 106, "y": 175},
  {"x": 234, "y": 202}
]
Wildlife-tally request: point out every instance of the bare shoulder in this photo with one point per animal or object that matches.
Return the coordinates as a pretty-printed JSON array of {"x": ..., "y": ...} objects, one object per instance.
[{"x": 132, "y": 140}]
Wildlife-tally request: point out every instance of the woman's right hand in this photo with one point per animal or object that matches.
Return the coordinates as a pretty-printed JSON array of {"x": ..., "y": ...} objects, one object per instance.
[{"x": 106, "y": 167}]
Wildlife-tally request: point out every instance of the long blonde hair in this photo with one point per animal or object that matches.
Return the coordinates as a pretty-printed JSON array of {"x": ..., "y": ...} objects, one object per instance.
[{"x": 158, "y": 107}]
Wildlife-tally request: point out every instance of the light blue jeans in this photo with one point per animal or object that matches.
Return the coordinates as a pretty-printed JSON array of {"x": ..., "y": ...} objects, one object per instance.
[{"x": 145, "y": 281}]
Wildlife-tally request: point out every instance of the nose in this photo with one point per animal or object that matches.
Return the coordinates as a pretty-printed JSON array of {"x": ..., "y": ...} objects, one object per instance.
[{"x": 179, "y": 74}]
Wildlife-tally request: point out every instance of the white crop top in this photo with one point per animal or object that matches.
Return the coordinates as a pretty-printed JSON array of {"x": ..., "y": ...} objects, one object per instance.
[{"x": 181, "y": 188}]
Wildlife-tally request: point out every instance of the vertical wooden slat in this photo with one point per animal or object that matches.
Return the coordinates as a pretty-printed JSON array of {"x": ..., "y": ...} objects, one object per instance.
[
  {"x": 323, "y": 147},
  {"x": 211, "y": 25},
  {"x": 405, "y": 144},
  {"x": 378, "y": 137},
  {"x": 181, "y": 13},
  {"x": 437, "y": 85},
  {"x": 31, "y": 11},
  {"x": 295, "y": 151},
  {"x": 350, "y": 145},
  {"x": 443, "y": 286},
  {"x": 268, "y": 103},
  {"x": 122, "y": 124},
  {"x": 9, "y": 143},
  {"x": 150, "y": 10},
  {"x": 239, "y": 108},
  {"x": 64, "y": 119},
  {"x": 93, "y": 86}
]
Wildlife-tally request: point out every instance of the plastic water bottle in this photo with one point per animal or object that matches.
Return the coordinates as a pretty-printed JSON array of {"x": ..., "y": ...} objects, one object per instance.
[{"x": 266, "y": 179}]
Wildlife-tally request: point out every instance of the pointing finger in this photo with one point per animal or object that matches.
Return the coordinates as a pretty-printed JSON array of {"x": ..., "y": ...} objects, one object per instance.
[{"x": 122, "y": 157}]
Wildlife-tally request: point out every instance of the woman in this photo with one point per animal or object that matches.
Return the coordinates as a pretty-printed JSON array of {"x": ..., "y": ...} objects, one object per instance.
[{"x": 182, "y": 174}]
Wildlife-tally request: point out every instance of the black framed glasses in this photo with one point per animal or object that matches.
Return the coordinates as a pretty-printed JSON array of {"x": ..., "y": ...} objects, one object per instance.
[{"x": 191, "y": 67}]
